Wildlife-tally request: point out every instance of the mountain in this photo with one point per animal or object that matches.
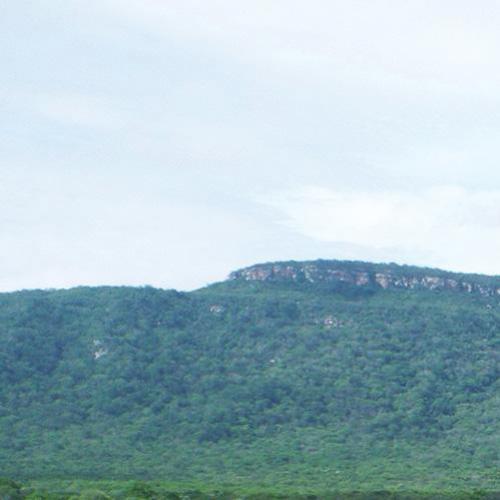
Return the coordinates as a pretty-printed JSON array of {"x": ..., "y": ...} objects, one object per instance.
[{"x": 313, "y": 376}]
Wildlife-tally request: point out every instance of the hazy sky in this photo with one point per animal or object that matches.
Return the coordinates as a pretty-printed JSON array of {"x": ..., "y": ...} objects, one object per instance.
[{"x": 169, "y": 142}]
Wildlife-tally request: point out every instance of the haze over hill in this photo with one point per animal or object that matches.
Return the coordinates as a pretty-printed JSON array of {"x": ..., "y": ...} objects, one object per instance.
[{"x": 323, "y": 375}]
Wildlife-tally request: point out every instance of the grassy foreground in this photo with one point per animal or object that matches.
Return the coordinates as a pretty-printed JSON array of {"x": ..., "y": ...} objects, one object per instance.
[{"x": 103, "y": 490}]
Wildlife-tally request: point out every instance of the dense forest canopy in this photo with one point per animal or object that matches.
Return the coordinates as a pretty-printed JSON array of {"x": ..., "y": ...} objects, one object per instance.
[{"x": 317, "y": 383}]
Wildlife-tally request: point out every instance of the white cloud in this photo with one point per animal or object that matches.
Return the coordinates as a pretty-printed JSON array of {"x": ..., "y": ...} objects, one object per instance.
[
  {"x": 78, "y": 109},
  {"x": 65, "y": 107},
  {"x": 59, "y": 230},
  {"x": 446, "y": 226},
  {"x": 144, "y": 128},
  {"x": 446, "y": 47}
]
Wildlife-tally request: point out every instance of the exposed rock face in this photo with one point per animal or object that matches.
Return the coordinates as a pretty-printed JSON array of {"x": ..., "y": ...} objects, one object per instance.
[{"x": 365, "y": 274}]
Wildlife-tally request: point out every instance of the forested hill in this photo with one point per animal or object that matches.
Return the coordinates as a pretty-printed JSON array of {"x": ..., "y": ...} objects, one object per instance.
[{"x": 322, "y": 375}]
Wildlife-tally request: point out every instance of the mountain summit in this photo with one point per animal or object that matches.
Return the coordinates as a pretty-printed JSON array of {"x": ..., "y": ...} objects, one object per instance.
[{"x": 366, "y": 274}]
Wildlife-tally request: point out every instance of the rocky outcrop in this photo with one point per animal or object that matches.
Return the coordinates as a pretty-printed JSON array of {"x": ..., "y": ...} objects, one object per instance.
[{"x": 385, "y": 276}]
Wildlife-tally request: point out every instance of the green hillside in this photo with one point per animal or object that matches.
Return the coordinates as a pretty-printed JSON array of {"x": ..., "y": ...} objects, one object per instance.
[{"x": 307, "y": 377}]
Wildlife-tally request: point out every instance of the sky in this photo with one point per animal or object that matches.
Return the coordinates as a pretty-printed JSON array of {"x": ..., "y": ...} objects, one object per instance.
[{"x": 167, "y": 143}]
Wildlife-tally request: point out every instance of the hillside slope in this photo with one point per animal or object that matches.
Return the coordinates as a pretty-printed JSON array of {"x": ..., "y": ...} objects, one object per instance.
[{"x": 320, "y": 375}]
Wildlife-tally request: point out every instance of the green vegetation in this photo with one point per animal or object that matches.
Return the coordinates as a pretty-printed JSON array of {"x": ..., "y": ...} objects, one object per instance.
[
  {"x": 158, "y": 490},
  {"x": 250, "y": 387}
]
